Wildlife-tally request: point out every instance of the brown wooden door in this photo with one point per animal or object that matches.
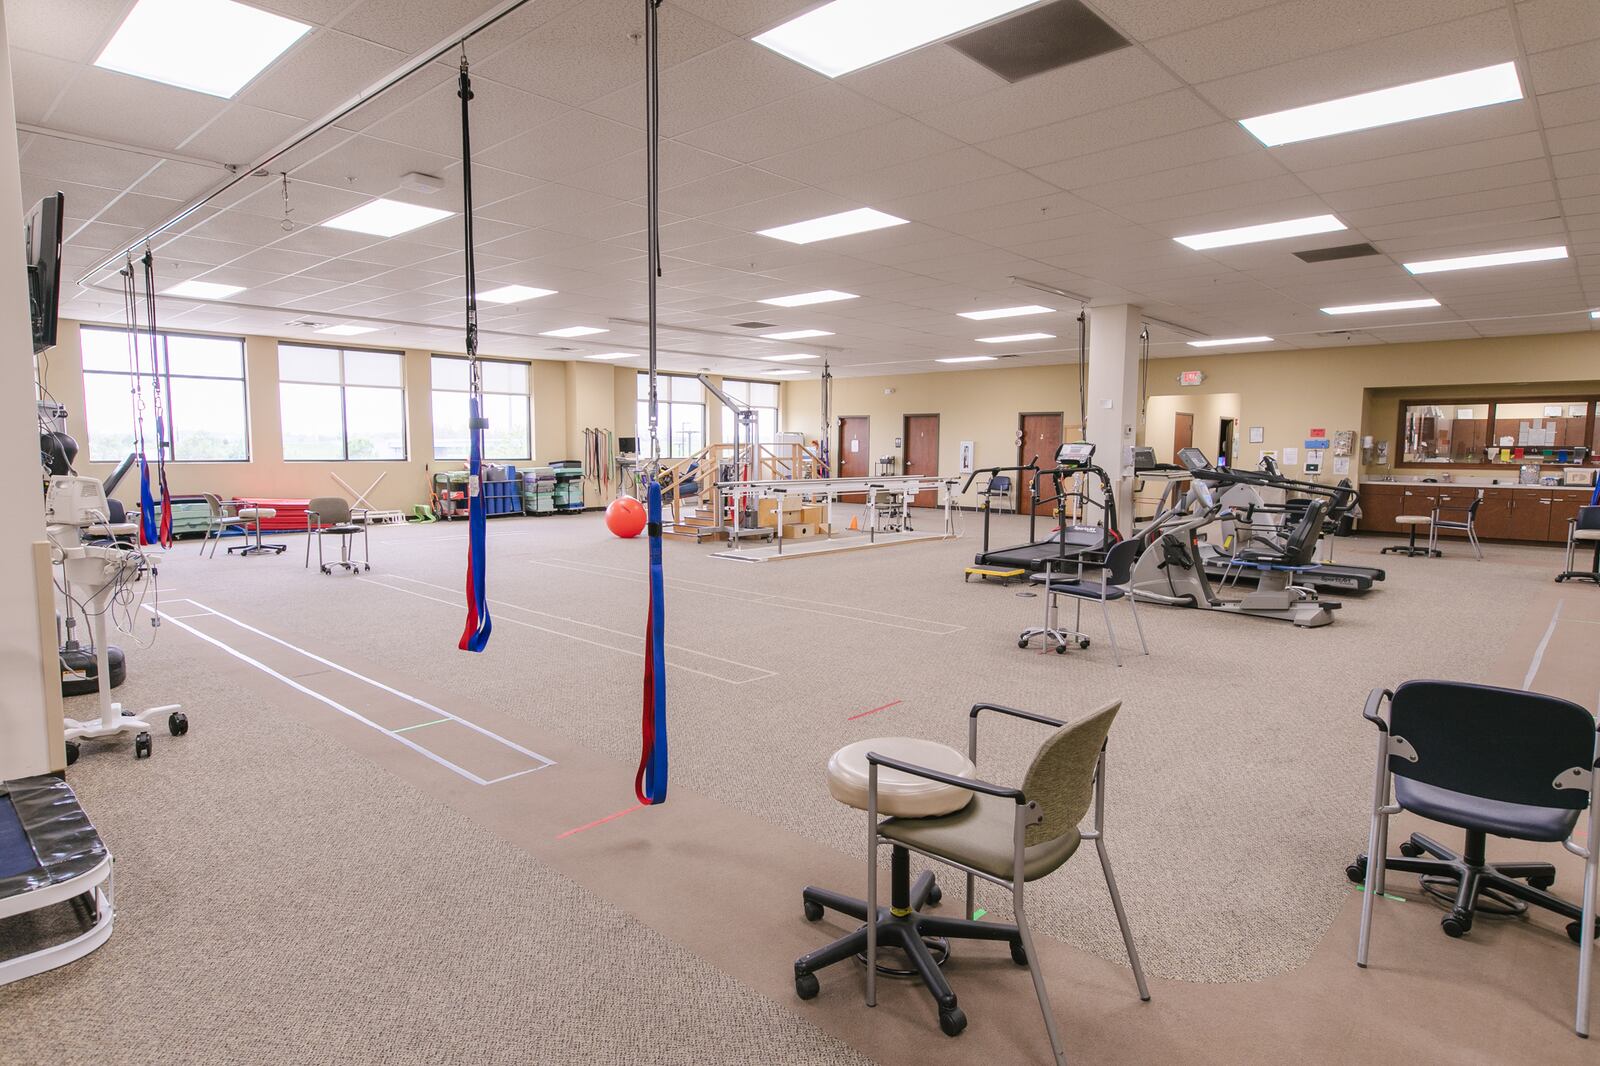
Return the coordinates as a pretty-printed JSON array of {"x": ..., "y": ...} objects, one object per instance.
[
  {"x": 1182, "y": 433},
  {"x": 855, "y": 453},
  {"x": 1530, "y": 515},
  {"x": 1041, "y": 437},
  {"x": 922, "y": 454}
]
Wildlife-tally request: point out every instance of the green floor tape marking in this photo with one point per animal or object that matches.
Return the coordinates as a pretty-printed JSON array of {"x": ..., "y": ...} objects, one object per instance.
[
  {"x": 419, "y": 725},
  {"x": 979, "y": 913},
  {"x": 1386, "y": 895}
]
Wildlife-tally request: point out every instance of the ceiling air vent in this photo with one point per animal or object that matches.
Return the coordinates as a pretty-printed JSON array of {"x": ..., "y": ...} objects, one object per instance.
[
  {"x": 566, "y": 349},
  {"x": 1343, "y": 251},
  {"x": 1040, "y": 39},
  {"x": 756, "y": 325},
  {"x": 305, "y": 323}
]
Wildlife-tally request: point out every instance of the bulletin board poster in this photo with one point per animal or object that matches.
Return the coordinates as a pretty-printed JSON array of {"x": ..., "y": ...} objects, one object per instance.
[{"x": 1344, "y": 442}]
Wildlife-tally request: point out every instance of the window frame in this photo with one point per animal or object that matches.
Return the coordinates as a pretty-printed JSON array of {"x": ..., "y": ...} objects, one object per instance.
[
  {"x": 344, "y": 405},
  {"x": 776, "y": 408},
  {"x": 642, "y": 425},
  {"x": 166, "y": 391},
  {"x": 1493, "y": 403},
  {"x": 527, "y": 397}
]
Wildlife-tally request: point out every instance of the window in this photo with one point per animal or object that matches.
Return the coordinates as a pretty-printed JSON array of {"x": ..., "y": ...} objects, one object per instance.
[
  {"x": 1490, "y": 432},
  {"x": 341, "y": 403},
  {"x": 682, "y": 425},
  {"x": 761, "y": 395},
  {"x": 202, "y": 391},
  {"x": 505, "y": 404}
]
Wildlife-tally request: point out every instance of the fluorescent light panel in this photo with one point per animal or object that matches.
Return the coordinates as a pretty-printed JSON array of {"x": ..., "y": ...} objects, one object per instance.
[
  {"x": 386, "y": 218},
  {"x": 796, "y": 335},
  {"x": 612, "y": 355},
  {"x": 794, "y": 358},
  {"x": 1493, "y": 259},
  {"x": 786, "y": 373},
  {"x": 968, "y": 359},
  {"x": 1228, "y": 340},
  {"x": 1594, "y": 314},
  {"x": 861, "y": 220},
  {"x": 1402, "y": 103},
  {"x": 208, "y": 46},
  {"x": 847, "y": 35},
  {"x": 1007, "y": 312},
  {"x": 514, "y": 294},
  {"x": 202, "y": 290},
  {"x": 801, "y": 299},
  {"x": 1267, "y": 231},
  {"x": 1392, "y": 305},
  {"x": 574, "y": 331},
  {"x": 1017, "y": 337},
  {"x": 347, "y": 330}
]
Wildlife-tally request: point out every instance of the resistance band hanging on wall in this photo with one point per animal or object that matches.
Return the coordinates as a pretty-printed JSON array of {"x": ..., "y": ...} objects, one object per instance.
[
  {"x": 475, "y": 637},
  {"x": 160, "y": 374},
  {"x": 650, "y": 783}
]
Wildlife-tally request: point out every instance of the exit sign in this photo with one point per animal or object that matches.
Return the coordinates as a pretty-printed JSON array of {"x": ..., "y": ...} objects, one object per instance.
[{"x": 1191, "y": 377}]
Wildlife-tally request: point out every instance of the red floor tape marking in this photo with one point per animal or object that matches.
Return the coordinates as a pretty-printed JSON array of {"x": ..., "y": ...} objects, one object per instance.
[
  {"x": 601, "y": 821},
  {"x": 874, "y": 710}
]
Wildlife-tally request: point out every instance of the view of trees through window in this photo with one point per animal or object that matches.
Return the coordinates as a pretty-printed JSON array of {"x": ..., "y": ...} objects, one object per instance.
[{"x": 202, "y": 395}]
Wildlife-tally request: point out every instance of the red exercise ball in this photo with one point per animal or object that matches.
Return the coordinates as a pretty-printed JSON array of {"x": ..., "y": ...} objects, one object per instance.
[{"x": 625, "y": 517}]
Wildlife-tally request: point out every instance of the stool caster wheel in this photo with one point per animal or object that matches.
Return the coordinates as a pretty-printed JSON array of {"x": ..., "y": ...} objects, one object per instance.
[
  {"x": 1061, "y": 649},
  {"x": 1574, "y": 930},
  {"x": 141, "y": 746},
  {"x": 952, "y": 1021},
  {"x": 1019, "y": 954},
  {"x": 1357, "y": 871},
  {"x": 74, "y": 749},
  {"x": 935, "y": 894},
  {"x": 1456, "y": 924},
  {"x": 366, "y": 569},
  {"x": 813, "y": 911},
  {"x": 1023, "y": 643},
  {"x": 177, "y": 723},
  {"x": 807, "y": 987},
  {"x": 1084, "y": 643},
  {"x": 127, "y": 714},
  {"x": 1542, "y": 882},
  {"x": 1410, "y": 850}
]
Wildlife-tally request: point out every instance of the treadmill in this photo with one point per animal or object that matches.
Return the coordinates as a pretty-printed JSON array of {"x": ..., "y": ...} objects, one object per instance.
[
  {"x": 1069, "y": 546},
  {"x": 1328, "y": 577}
]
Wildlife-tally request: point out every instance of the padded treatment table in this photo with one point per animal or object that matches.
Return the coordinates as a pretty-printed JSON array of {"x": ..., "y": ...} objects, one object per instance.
[{"x": 50, "y": 854}]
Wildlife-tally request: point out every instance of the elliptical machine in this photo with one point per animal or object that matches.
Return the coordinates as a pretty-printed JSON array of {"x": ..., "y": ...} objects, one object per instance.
[{"x": 1171, "y": 569}]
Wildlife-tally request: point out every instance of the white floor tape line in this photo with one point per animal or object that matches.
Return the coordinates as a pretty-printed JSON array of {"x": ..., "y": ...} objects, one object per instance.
[{"x": 1538, "y": 653}]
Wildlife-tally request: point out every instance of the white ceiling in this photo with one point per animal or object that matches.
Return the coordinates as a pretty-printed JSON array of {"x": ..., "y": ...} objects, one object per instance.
[{"x": 1077, "y": 178}]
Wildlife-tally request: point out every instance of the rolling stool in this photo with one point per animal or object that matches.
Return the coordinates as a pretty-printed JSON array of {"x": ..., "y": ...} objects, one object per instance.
[
  {"x": 1415, "y": 522},
  {"x": 901, "y": 924},
  {"x": 253, "y": 516}
]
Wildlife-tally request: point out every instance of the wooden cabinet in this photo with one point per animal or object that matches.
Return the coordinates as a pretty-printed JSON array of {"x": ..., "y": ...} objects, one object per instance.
[
  {"x": 1530, "y": 516},
  {"x": 1563, "y": 508},
  {"x": 1536, "y": 515},
  {"x": 1418, "y": 499},
  {"x": 1494, "y": 514},
  {"x": 1379, "y": 505}
]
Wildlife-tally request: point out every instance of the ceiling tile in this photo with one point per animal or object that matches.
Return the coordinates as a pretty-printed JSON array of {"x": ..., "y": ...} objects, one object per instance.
[{"x": 325, "y": 70}]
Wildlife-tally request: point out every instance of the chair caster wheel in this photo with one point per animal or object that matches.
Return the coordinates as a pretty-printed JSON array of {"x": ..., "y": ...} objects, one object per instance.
[
  {"x": 1543, "y": 883},
  {"x": 141, "y": 746},
  {"x": 806, "y": 985},
  {"x": 177, "y": 723},
  {"x": 1574, "y": 930},
  {"x": 1456, "y": 924},
  {"x": 1410, "y": 850},
  {"x": 1061, "y": 649},
  {"x": 74, "y": 749},
  {"x": 1084, "y": 643},
  {"x": 127, "y": 714},
  {"x": 1019, "y": 954},
  {"x": 367, "y": 569},
  {"x": 935, "y": 894},
  {"x": 952, "y": 1021},
  {"x": 1023, "y": 643},
  {"x": 1357, "y": 871},
  {"x": 813, "y": 911}
]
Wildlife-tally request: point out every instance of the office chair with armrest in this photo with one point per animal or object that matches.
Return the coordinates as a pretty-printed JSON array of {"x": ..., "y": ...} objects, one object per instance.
[
  {"x": 1113, "y": 585},
  {"x": 1584, "y": 528},
  {"x": 1494, "y": 762},
  {"x": 330, "y": 516},
  {"x": 1467, "y": 524},
  {"x": 220, "y": 518}
]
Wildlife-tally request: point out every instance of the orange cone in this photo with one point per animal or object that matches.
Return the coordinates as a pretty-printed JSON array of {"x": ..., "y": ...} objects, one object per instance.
[{"x": 854, "y": 524}]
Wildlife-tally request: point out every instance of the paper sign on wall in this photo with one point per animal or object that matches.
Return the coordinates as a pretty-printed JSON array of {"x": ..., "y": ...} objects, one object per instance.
[
  {"x": 1291, "y": 457},
  {"x": 1341, "y": 464},
  {"x": 855, "y": 446},
  {"x": 1316, "y": 444},
  {"x": 1319, "y": 433},
  {"x": 1257, "y": 434}
]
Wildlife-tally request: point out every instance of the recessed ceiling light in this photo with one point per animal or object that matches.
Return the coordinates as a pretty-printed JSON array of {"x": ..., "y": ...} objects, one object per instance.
[
  {"x": 574, "y": 331},
  {"x": 1267, "y": 231},
  {"x": 612, "y": 355},
  {"x": 795, "y": 358},
  {"x": 801, "y": 299},
  {"x": 1228, "y": 340},
  {"x": 861, "y": 220},
  {"x": 210, "y": 46},
  {"x": 1392, "y": 305},
  {"x": 202, "y": 290},
  {"x": 1402, "y": 103},
  {"x": 796, "y": 335},
  {"x": 968, "y": 359},
  {"x": 346, "y": 330},
  {"x": 1007, "y": 312},
  {"x": 1017, "y": 337},
  {"x": 786, "y": 373},
  {"x": 1594, "y": 314},
  {"x": 847, "y": 35},
  {"x": 386, "y": 218},
  {"x": 1471, "y": 262},
  {"x": 514, "y": 294}
]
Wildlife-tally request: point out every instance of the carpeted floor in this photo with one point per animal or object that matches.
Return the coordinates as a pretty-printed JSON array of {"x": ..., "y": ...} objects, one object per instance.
[{"x": 267, "y": 870}]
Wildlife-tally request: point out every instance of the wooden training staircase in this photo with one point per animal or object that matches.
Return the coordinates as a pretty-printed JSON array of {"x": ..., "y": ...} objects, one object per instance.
[{"x": 689, "y": 485}]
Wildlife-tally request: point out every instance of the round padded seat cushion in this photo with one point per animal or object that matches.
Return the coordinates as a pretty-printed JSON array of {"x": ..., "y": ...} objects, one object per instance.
[
  {"x": 258, "y": 512},
  {"x": 900, "y": 794},
  {"x": 1412, "y": 520}
]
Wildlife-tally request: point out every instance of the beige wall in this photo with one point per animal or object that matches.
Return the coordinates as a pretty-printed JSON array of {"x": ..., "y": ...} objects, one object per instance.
[
  {"x": 1208, "y": 409},
  {"x": 1382, "y": 410}
]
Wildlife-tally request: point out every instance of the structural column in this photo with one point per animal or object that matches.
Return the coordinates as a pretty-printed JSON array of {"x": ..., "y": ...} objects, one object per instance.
[{"x": 1114, "y": 397}]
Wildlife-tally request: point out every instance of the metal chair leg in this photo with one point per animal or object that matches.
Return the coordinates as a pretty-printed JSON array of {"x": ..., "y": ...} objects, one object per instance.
[
  {"x": 1105, "y": 613},
  {"x": 1134, "y": 607},
  {"x": 308, "y": 545},
  {"x": 1586, "y": 942},
  {"x": 1472, "y": 535},
  {"x": 1122, "y": 919},
  {"x": 1033, "y": 969}
]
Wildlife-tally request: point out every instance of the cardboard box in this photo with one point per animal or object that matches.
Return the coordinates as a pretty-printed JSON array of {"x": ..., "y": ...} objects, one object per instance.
[
  {"x": 793, "y": 513},
  {"x": 804, "y": 530}
]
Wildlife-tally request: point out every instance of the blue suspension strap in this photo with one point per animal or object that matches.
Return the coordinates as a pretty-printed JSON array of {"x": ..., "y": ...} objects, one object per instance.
[
  {"x": 475, "y": 636},
  {"x": 650, "y": 783},
  {"x": 149, "y": 533},
  {"x": 160, "y": 373}
]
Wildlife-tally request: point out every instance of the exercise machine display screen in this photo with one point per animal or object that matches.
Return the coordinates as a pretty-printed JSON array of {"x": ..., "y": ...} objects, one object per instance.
[
  {"x": 1076, "y": 454},
  {"x": 1193, "y": 459}
]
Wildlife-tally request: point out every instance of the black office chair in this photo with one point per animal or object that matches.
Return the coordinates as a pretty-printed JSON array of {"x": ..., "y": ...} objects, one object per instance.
[
  {"x": 1467, "y": 524},
  {"x": 1581, "y": 529},
  {"x": 1494, "y": 762},
  {"x": 1115, "y": 575},
  {"x": 997, "y": 493}
]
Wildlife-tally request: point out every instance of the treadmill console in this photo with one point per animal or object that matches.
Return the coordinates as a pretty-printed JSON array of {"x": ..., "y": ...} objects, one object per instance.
[
  {"x": 1074, "y": 456},
  {"x": 1193, "y": 459}
]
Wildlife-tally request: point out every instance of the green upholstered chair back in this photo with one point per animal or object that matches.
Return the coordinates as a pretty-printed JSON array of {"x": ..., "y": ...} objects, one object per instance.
[{"x": 1061, "y": 779}]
